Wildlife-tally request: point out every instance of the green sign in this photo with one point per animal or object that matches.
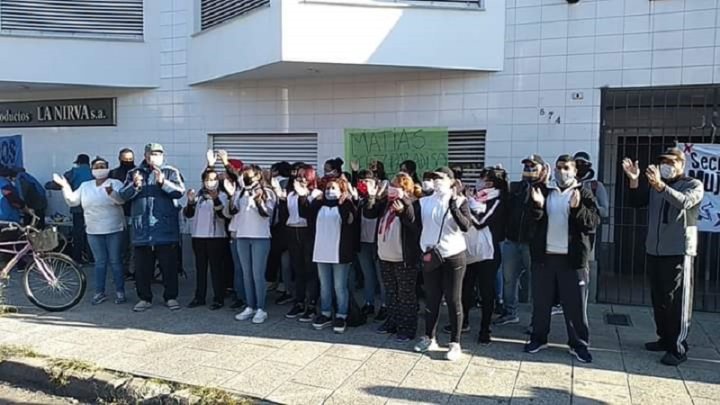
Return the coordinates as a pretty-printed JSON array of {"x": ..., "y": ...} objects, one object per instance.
[{"x": 428, "y": 147}]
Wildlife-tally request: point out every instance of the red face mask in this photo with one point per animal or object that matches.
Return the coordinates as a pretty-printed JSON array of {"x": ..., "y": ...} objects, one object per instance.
[{"x": 362, "y": 188}]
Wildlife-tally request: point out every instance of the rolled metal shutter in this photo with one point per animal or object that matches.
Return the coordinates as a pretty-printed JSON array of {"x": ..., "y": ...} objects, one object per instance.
[
  {"x": 266, "y": 149},
  {"x": 467, "y": 150},
  {"x": 214, "y": 12},
  {"x": 122, "y": 18}
]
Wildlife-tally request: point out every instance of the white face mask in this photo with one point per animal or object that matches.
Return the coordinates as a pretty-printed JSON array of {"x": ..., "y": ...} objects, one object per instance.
[
  {"x": 428, "y": 186},
  {"x": 332, "y": 194},
  {"x": 442, "y": 187},
  {"x": 157, "y": 160},
  {"x": 565, "y": 179},
  {"x": 212, "y": 185},
  {"x": 667, "y": 171},
  {"x": 101, "y": 173}
]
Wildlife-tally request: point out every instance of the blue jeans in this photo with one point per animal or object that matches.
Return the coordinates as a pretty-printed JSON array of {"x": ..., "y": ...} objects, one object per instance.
[
  {"x": 253, "y": 254},
  {"x": 238, "y": 281},
  {"x": 370, "y": 265},
  {"x": 334, "y": 277},
  {"x": 107, "y": 250},
  {"x": 516, "y": 261}
]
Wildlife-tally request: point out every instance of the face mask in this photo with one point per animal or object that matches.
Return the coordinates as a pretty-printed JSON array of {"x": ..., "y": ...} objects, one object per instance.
[
  {"x": 667, "y": 171},
  {"x": 330, "y": 173},
  {"x": 248, "y": 181},
  {"x": 564, "y": 179},
  {"x": 100, "y": 173},
  {"x": 157, "y": 160},
  {"x": 332, "y": 194},
  {"x": 441, "y": 187},
  {"x": 212, "y": 185},
  {"x": 582, "y": 170},
  {"x": 128, "y": 165},
  {"x": 428, "y": 186},
  {"x": 362, "y": 188},
  {"x": 395, "y": 193}
]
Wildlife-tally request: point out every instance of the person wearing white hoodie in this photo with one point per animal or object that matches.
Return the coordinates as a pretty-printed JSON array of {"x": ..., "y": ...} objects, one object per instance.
[
  {"x": 445, "y": 216},
  {"x": 251, "y": 208}
]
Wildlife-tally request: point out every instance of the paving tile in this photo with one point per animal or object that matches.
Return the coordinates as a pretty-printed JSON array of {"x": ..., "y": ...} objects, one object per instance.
[
  {"x": 437, "y": 363},
  {"x": 610, "y": 377},
  {"x": 425, "y": 387},
  {"x": 351, "y": 352},
  {"x": 388, "y": 366},
  {"x": 299, "y": 353},
  {"x": 586, "y": 392},
  {"x": 701, "y": 382},
  {"x": 538, "y": 395},
  {"x": 261, "y": 379},
  {"x": 327, "y": 372},
  {"x": 291, "y": 393},
  {"x": 207, "y": 376},
  {"x": 554, "y": 382},
  {"x": 665, "y": 387},
  {"x": 486, "y": 382},
  {"x": 358, "y": 390},
  {"x": 239, "y": 357}
]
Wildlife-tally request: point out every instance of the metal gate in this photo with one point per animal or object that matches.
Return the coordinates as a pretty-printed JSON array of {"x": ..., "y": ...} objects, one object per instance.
[{"x": 639, "y": 124}]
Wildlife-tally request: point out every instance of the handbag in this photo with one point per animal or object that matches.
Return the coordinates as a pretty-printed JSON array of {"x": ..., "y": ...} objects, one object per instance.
[{"x": 432, "y": 259}]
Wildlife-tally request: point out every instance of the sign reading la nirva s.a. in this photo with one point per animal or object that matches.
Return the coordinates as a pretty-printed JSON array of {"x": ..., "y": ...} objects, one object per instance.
[{"x": 58, "y": 113}]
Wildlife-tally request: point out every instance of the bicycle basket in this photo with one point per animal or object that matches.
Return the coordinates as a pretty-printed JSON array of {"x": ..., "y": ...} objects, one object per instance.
[{"x": 45, "y": 240}]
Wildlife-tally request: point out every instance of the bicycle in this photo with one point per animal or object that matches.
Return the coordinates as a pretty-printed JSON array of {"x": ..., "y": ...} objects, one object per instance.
[{"x": 52, "y": 281}]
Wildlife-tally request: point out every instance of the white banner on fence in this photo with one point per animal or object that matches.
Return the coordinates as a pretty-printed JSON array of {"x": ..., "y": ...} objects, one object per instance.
[{"x": 703, "y": 163}]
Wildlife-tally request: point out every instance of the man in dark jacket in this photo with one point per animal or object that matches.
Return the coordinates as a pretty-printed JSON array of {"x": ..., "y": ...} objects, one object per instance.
[
  {"x": 567, "y": 214},
  {"x": 127, "y": 163},
  {"x": 673, "y": 201},
  {"x": 520, "y": 232},
  {"x": 152, "y": 188}
]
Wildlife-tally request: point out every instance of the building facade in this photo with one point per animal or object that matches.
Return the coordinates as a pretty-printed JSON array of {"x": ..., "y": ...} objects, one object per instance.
[{"x": 283, "y": 79}]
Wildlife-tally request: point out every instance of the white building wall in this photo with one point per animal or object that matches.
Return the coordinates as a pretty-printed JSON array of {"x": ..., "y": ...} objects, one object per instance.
[{"x": 552, "y": 50}]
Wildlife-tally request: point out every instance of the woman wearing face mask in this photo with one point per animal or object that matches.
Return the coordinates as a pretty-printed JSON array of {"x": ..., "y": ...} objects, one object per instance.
[
  {"x": 370, "y": 205},
  {"x": 209, "y": 238},
  {"x": 251, "y": 208},
  {"x": 296, "y": 213},
  {"x": 487, "y": 206},
  {"x": 445, "y": 216},
  {"x": 427, "y": 185},
  {"x": 333, "y": 168},
  {"x": 399, "y": 249},
  {"x": 333, "y": 252},
  {"x": 104, "y": 224}
]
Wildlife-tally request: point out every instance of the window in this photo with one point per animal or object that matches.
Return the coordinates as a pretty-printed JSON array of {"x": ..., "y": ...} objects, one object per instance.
[
  {"x": 214, "y": 12},
  {"x": 467, "y": 150},
  {"x": 117, "y": 18},
  {"x": 266, "y": 149}
]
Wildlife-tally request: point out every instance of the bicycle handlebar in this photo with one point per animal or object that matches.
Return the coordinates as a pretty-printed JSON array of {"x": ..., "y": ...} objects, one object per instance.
[{"x": 11, "y": 225}]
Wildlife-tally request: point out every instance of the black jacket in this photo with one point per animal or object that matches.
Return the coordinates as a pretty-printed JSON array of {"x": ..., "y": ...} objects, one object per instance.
[
  {"x": 522, "y": 215},
  {"x": 582, "y": 220},
  {"x": 496, "y": 221},
  {"x": 409, "y": 230}
]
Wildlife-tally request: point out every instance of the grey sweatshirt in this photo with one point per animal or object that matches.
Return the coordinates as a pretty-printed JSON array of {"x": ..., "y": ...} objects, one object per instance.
[{"x": 672, "y": 216}]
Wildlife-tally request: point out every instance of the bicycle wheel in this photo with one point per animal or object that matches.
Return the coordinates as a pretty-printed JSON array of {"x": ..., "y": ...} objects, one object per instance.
[{"x": 61, "y": 295}]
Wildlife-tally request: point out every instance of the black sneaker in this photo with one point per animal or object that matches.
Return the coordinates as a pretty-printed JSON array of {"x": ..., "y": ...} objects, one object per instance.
[
  {"x": 321, "y": 322},
  {"x": 308, "y": 315},
  {"x": 285, "y": 298},
  {"x": 339, "y": 325},
  {"x": 582, "y": 354},
  {"x": 484, "y": 337},
  {"x": 386, "y": 328},
  {"x": 534, "y": 347},
  {"x": 196, "y": 303},
  {"x": 368, "y": 309},
  {"x": 673, "y": 359},
  {"x": 382, "y": 315},
  {"x": 448, "y": 329},
  {"x": 657, "y": 346},
  {"x": 295, "y": 311},
  {"x": 238, "y": 304}
]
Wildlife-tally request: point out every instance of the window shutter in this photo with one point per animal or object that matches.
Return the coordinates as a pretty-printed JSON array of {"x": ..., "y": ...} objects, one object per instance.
[
  {"x": 123, "y": 18},
  {"x": 467, "y": 150},
  {"x": 267, "y": 149},
  {"x": 214, "y": 12}
]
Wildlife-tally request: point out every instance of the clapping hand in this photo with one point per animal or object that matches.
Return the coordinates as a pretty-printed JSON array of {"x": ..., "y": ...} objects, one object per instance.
[
  {"x": 191, "y": 196},
  {"x": 211, "y": 158},
  {"x": 654, "y": 177},
  {"x": 60, "y": 180},
  {"x": 222, "y": 154},
  {"x": 355, "y": 165},
  {"x": 229, "y": 186},
  {"x": 159, "y": 177},
  {"x": 632, "y": 169},
  {"x": 137, "y": 179},
  {"x": 300, "y": 188},
  {"x": 398, "y": 206},
  {"x": 109, "y": 190},
  {"x": 575, "y": 199},
  {"x": 537, "y": 197}
]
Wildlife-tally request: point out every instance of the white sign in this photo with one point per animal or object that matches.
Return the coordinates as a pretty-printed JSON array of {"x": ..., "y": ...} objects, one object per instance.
[{"x": 703, "y": 163}]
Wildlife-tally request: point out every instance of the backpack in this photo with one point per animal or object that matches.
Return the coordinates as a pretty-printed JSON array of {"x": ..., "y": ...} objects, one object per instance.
[{"x": 355, "y": 315}]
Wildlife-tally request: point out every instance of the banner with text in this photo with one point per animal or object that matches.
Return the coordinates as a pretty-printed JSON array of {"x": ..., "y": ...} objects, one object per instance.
[
  {"x": 702, "y": 161},
  {"x": 11, "y": 153},
  {"x": 428, "y": 147}
]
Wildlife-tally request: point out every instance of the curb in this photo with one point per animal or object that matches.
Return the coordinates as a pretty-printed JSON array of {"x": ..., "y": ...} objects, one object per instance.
[{"x": 89, "y": 384}]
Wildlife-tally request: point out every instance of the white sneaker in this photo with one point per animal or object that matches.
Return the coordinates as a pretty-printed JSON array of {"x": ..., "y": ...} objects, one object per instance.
[
  {"x": 426, "y": 344},
  {"x": 454, "y": 353},
  {"x": 142, "y": 306},
  {"x": 245, "y": 315},
  {"x": 260, "y": 316}
]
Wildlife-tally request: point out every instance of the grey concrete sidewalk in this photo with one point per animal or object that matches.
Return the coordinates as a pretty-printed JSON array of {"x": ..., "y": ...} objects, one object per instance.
[{"x": 288, "y": 362}]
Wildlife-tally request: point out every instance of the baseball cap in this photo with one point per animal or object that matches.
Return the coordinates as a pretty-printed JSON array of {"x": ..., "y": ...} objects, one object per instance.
[
  {"x": 673, "y": 154},
  {"x": 82, "y": 159},
  {"x": 565, "y": 158},
  {"x": 444, "y": 170},
  {"x": 154, "y": 147},
  {"x": 534, "y": 159},
  {"x": 583, "y": 156}
]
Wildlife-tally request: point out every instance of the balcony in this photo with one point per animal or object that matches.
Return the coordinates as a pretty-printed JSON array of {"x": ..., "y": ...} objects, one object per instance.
[
  {"x": 306, "y": 38},
  {"x": 55, "y": 44}
]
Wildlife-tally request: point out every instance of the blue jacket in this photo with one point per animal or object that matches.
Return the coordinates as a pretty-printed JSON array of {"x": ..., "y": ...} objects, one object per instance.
[
  {"x": 153, "y": 214},
  {"x": 7, "y": 211},
  {"x": 31, "y": 191},
  {"x": 77, "y": 176}
]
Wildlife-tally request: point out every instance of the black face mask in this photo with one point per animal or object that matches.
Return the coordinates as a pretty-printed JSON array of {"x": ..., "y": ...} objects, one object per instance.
[
  {"x": 248, "y": 180},
  {"x": 128, "y": 165}
]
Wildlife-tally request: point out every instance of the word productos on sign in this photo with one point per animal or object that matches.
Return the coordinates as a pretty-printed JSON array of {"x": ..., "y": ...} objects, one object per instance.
[
  {"x": 703, "y": 163},
  {"x": 58, "y": 113},
  {"x": 428, "y": 147}
]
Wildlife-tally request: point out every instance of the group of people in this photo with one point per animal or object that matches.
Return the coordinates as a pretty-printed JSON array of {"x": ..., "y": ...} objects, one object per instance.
[{"x": 431, "y": 237}]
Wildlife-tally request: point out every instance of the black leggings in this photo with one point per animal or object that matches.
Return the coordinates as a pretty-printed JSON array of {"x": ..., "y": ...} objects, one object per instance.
[
  {"x": 445, "y": 280},
  {"x": 481, "y": 275},
  {"x": 307, "y": 283},
  {"x": 209, "y": 250}
]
